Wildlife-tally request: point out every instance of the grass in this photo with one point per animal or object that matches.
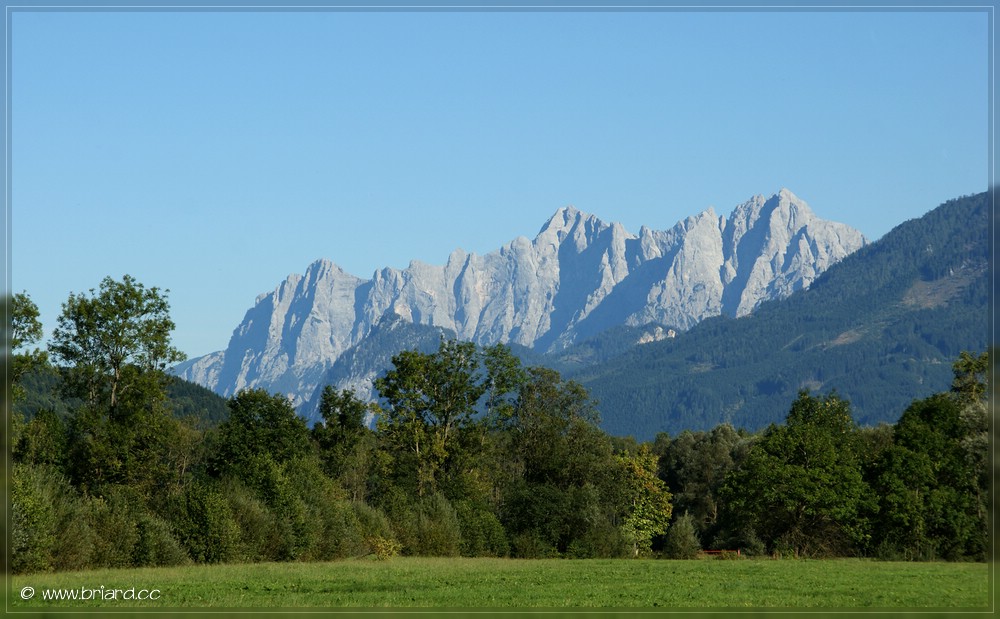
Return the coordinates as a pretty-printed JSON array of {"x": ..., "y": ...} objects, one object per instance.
[{"x": 512, "y": 583}]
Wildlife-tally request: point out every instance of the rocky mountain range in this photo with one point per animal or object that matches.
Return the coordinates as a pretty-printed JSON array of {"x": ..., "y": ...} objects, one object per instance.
[
  {"x": 577, "y": 278},
  {"x": 880, "y": 328}
]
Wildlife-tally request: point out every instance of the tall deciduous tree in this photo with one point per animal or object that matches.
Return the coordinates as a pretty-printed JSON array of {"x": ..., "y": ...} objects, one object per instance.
[
  {"x": 430, "y": 400},
  {"x": 345, "y": 442},
  {"x": 115, "y": 345},
  {"x": 932, "y": 489},
  {"x": 114, "y": 340},
  {"x": 563, "y": 496},
  {"x": 261, "y": 426},
  {"x": 645, "y": 500},
  {"x": 800, "y": 487},
  {"x": 25, "y": 330},
  {"x": 694, "y": 465}
]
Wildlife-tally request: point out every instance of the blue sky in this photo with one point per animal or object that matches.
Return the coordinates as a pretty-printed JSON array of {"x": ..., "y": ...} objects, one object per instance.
[{"x": 214, "y": 153}]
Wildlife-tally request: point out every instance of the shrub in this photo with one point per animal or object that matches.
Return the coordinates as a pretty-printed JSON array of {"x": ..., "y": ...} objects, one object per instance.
[
  {"x": 383, "y": 548},
  {"x": 331, "y": 529},
  {"x": 113, "y": 519},
  {"x": 375, "y": 532},
  {"x": 157, "y": 545},
  {"x": 32, "y": 523},
  {"x": 600, "y": 540},
  {"x": 531, "y": 544},
  {"x": 402, "y": 517},
  {"x": 438, "y": 532},
  {"x": 481, "y": 531},
  {"x": 205, "y": 525},
  {"x": 257, "y": 536},
  {"x": 60, "y": 535},
  {"x": 682, "y": 541}
]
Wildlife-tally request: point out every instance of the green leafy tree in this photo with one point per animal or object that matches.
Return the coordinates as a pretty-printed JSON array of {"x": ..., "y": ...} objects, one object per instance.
[
  {"x": 345, "y": 443},
  {"x": 261, "y": 426},
  {"x": 504, "y": 378},
  {"x": 25, "y": 330},
  {"x": 561, "y": 495},
  {"x": 932, "y": 493},
  {"x": 430, "y": 399},
  {"x": 116, "y": 341},
  {"x": 114, "y": 345},
  {"x": 800, "y": 486},
  {"x": 645, "y": 499},
  {"x": 694, "y": 466},
  {"x": 42, "y": 440}
]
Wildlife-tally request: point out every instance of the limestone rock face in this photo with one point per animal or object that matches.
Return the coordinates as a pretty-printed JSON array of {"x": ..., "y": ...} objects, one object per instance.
[{"x": 576, "y": 278}]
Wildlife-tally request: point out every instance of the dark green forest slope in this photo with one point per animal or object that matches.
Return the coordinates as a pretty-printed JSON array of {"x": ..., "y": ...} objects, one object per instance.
[
  {"x": 43, "y": 391},
  {"x": 880, "y": 328}
]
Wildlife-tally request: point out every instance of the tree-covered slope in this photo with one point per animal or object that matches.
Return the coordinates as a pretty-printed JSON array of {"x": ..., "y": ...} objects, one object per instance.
[
  {"x": 185, "y": 399},
  {"x": 881, "y": 328}
]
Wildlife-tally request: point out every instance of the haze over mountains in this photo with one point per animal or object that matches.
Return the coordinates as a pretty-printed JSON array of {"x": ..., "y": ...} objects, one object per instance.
[{"x": 576, "y": 279}]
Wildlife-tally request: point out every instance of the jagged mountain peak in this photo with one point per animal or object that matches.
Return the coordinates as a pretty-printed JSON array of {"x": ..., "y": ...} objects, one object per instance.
[
  {"x": 567, "y": 218},
  {"x": 787, "y": 194},
  {"x": 783, "y": 200},
  {"x": 579, "y": 277}
]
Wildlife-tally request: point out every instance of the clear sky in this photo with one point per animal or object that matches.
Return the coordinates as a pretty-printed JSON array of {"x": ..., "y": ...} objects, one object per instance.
[{"x": 212, "y": 153}]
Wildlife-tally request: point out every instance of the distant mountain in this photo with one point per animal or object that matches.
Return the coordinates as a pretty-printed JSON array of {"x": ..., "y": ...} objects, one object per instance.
[
  {"x": 357, "y": 367},
  {"x": 578, "y": 278},
  {"x": 882, "y": 328}
]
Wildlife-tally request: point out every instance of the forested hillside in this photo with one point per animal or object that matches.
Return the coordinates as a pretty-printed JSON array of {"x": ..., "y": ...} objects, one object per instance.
[
  {"x": 880, "y": 328},
  {"x": 44, "y": 391}
]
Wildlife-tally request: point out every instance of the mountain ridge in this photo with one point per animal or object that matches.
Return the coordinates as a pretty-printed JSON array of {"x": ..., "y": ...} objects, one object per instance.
[
  {"x": 882, "y": 328},
  {"x": 578, "y": 277}
]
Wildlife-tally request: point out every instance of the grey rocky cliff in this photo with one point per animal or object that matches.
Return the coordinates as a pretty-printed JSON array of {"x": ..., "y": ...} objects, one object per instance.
[{"x": 576, "y": 278}]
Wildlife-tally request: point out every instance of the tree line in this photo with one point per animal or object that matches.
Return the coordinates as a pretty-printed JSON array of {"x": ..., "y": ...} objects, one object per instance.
[{"x": 471, "y": 453}]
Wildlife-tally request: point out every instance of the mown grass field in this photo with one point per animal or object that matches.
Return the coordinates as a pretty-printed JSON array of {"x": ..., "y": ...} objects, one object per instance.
[{"x": 511, "y": 583}]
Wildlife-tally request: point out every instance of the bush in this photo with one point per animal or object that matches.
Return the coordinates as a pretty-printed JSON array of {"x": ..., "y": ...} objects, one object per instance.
[
  {"x": 600, "y": 540},
  {"x": 75, "y": 541},
  {"x": 341, "y": 535},
  {"x": 753, "y": 545},
  {"x": 438, "y": 532},
  {"x": 257, "y": 537},
  {"x": 331, "y": 528},
  {"x": 114, "y": 521},
  {"x": 375, "y": 532},
  {"x": 682, "y": 541},
  {"x": 531, "y": 544},
  {"x": 482, "y": 533},
  {"x": 402, "y": 517},
  {"x": 157, "y": 546},
  {"x": 32, "y": 523},
  {"x": 205, "y": 525},
  {"x": 383, "y": 548}
]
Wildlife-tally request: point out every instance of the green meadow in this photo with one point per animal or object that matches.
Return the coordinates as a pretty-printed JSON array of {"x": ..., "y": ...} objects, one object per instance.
[{"x": 513, "y": 583}]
